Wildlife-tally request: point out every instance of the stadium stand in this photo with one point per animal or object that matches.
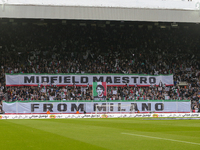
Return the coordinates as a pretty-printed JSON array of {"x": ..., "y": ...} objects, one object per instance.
[{"x": 50, "y": 46}]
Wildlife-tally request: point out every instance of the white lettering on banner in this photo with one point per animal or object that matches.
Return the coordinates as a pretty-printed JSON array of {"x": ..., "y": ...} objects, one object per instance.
[
  {"x": 59, "y": 116},
  {"x": 90, "y": 107},
  {"x": 85, "y": 79}
]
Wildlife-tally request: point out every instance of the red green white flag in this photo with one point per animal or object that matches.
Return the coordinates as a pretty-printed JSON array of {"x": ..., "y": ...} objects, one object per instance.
[{"x": 99, "y": 90}]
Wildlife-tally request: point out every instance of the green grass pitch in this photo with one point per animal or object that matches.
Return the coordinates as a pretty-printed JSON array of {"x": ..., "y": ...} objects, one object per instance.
[{"x": 94, "y": 134}]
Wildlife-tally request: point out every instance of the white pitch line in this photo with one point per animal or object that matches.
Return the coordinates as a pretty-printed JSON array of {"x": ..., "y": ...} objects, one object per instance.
[{"x": 161, "y": 138}]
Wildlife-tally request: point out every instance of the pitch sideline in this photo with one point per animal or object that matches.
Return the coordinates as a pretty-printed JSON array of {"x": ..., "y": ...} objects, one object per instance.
[{"x": 160, "y": 138}]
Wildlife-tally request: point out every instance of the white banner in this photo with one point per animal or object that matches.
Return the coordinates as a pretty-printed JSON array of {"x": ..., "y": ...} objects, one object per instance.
[
  {"x": 85, "y": 79},
  {"x": 101, "y": 107},
  {"x": 181, "y": 116}
]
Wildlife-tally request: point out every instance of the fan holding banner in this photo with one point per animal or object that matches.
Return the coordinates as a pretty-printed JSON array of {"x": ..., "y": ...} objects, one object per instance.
[{"x": 99, "y": 90}]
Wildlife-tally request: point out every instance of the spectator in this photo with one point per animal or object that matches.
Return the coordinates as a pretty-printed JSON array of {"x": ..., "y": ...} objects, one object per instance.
[{"x": 92, "y": 49}]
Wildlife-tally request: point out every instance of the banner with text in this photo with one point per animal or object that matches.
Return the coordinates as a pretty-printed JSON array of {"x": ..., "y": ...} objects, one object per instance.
[
  {"x": 93, "y": 107},
  {"x": 87, "y": 79},
  {"x": 181, "y": 116}
]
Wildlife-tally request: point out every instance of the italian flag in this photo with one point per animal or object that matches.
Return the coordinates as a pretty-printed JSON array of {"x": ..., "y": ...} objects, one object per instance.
[{"x": 94, "y": 86}]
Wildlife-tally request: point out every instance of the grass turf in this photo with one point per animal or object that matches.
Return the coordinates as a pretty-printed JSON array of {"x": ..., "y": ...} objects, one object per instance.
[{"x": 86, "y": 134}]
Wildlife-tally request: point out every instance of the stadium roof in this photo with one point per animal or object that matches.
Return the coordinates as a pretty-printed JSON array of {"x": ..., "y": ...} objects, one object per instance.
[{"x": 123, "y": 10}]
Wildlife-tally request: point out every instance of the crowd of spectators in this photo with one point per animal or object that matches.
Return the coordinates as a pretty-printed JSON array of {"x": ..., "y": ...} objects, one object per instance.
[
  {"x": 113, "y": 93},
  {"x": 114, "y": 47}
]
